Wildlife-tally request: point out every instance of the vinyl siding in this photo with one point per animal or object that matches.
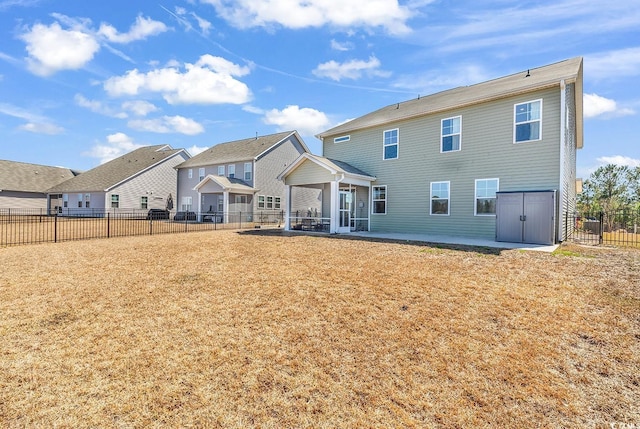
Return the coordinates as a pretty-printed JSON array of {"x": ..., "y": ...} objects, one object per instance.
[
  {"x": 156, "y": 184},
  {"x": 22, "y": 200},
  {"x": 487, "y": 151},
  {"x": 568, "y": 198},
  {"x": 309, "y": 173}
]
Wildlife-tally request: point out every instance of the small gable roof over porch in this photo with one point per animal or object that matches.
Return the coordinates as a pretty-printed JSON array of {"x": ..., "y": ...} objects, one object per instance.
[
  {"x": 213, "y": 184},
  {"x": 311, "y": 169}
]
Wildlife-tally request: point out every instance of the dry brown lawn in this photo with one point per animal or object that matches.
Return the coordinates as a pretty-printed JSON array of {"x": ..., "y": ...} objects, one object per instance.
[{"x": 241, "y": 330}]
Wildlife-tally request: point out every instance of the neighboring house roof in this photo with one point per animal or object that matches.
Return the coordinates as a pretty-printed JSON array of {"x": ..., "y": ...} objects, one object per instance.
[
  {"x": 332, "y": 165},
  {"x": 240, "y": 150},
  {"x": 24, "y": 177},
  {"x": 104, "y": 177},
  {"x": 227, "y": 184},
  {"x": 553, "y": 75}
]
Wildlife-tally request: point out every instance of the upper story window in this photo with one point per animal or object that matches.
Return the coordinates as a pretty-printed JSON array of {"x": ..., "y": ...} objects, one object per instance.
[
  {"x": 451, "y": 134},
  {"x": 232, "y": 171},
  {"x": 528, "y": 121},
  {"x": 248, "y": 171},
  {"x": 390, "y": 144},
  {"x": 486, "y": 196},
  {"x": 379, "y": 199},
  {"x": 190, "y": 173},
  {"x": 440, "y": 198},
  {"x": 221, "y": 170},
  {"x": 341, "y": 139},
  {"x": 201, "y": 174}
]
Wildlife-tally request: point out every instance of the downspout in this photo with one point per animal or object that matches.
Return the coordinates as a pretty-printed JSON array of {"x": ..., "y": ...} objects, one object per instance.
[{"x": 560, "y": 226}]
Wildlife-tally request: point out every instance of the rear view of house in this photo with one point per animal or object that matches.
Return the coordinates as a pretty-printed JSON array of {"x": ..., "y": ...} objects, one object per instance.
[
  {"x": 139, "y": 180},
  {"x": 24, "y": 186},
  {"x": 239, "y": 178},
  {"x": 495, "y": 160}
]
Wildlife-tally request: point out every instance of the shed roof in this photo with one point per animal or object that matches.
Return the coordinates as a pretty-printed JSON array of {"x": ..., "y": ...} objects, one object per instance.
[
  {"x": 569, "y": 71},
  {"x": 239, "y": 150},
  {"x": 25, "y": 177},
  {"x": 106, "y": 176}
]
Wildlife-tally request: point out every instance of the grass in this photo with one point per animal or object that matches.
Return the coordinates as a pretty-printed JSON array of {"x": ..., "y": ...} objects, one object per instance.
[{"x": 266, "y": 329}]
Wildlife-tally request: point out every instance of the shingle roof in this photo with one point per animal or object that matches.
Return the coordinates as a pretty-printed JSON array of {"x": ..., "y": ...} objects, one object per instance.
[
  {"x": 530, "y": 80},
  {"x": 24, "y": 177},
  {"x": 228, "y": 183},
  {"x": 239, "y": 150},
  {"x": 337, "y": 167},
  {"x": 109, "y": 174}
]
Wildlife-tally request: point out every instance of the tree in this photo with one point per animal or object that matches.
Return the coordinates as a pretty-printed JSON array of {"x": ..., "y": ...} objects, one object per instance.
[
  {"x": 633, "y": 181},
  {"x": 606, "y": 189}
]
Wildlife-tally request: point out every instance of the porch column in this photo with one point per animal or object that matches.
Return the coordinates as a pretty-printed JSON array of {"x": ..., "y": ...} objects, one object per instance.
[
  {"x": 333, "y": 226},
  {"x": 287, "y": 209},
  {"x": 225, "y": 205}
]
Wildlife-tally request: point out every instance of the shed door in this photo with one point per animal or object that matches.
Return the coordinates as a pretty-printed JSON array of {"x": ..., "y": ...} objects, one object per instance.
[
  {"x": 538, "y": 227},
  {"x": 508, "y": 217}
]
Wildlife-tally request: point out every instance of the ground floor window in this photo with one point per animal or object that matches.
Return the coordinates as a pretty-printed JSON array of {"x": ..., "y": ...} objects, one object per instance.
[
  {"x": 269, "y": 202},
  {"x": 379, "y": 199},
  {"x": 115, "y": 201},
  {"x": 276, "y": 202},
  {"x": 440, "y": 198},
  {"x": 261, "y": 201},
  {"x": 187, "y": 204},
  {"x": 486, "y": 189},
  {"x": 144, "y": 202}
]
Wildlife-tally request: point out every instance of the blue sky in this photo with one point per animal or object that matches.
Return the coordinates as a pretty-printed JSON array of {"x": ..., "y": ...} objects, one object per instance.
[{"x": 82, "y": 82}]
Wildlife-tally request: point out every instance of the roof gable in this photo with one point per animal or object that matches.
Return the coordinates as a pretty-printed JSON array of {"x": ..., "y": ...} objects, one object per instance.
[
  {"x": 24, "y": 177},
  {"x": 109, "y": 174},
  {"x": 240, "y": 150},
  {"x": 568, "y": 71}
]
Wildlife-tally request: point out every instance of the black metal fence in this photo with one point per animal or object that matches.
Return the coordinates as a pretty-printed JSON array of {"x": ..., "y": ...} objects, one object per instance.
[
  {"x": 616, "y": 228},
  {"x": 24, "y": 226}
]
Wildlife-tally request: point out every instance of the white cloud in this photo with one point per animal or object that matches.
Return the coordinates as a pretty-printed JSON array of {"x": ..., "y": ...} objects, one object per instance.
[
  {"x": 306, "y": 121},
  {"x": 388, "y": 14},
  {"x": 139, "y": 107},
  {"x": 211, "y": 80},
  {"x": 52, "y": 49},
  {"x": 194, "y": 150},
  {"x": 595, "y": 105},
  {"x": 253, "y": 109},
  {"x": 338, "y": 46},
  {"x": 613, "y": 64},
  {"x": 167, "y": 124},
  {"x": 42, "y": 128},
  {"x": 116, "y": 145},
  {"x": 98, "y": 107},
  {"x": 140, "y": 30},
  {"x": 353, "y": 69},
  {"x": 620, "y": 160}
]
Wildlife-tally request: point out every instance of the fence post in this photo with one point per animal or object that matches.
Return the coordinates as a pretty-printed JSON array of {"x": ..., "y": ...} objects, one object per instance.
[
  {"x": 240, "y": 220},
  {"x": 108, "y": 224},
  {"x": 601, "y": 227},
  {"x": 55, "y": 228},
  {"x": 151, "y": 225}
]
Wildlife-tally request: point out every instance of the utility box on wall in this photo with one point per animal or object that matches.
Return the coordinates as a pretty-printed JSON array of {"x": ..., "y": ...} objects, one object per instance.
[{"x": 526, "y": 217}]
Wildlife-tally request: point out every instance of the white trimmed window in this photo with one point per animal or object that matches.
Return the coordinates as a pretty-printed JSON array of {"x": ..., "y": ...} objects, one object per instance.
[
  {"x": 269, "y": 202},
  {"x": 451, "y": 134},
  {"x": 201, "y": 174},
  {"x": 342, "y": 139},
  {"x": 248, "y": 170},
  {"x": 187, "y": 203},
  {"x": 440, "y": 198},
  {"x": 232, "y": 171},
  {"x": 527, "y": 121},
  {"x": 87, "y": 200},
  {"x": 486, "y": 189},
  {"x": 379, "y": 199},
  {"x": 190, "y": 173},
  {"x": 221, "y": 170},
  {"x": 115, "y": 201},
  {"x": 276, "y": 202},
  {"x": 261, "y": 201},
  {"x": 65, "y": 200},
  {"x": 144, "y": 202},
  {"x": 390, "y": 144},
  {"x": 220, "y": 204},
  {"x": 80, "y": 196}
]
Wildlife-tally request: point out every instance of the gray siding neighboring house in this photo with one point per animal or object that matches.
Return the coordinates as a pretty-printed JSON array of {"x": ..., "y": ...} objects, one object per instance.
[
  {"x": 240, "y": 177},
  {"x": 139, "y": 180},
  {"x": 436, "y": 162},
  {"x": 24, "y": 185}
]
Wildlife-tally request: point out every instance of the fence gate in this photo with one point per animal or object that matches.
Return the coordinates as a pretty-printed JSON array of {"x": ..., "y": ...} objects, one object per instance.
[{"x": 526, "y": 217}]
